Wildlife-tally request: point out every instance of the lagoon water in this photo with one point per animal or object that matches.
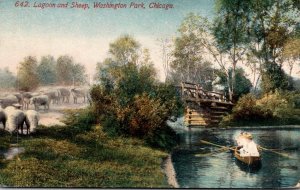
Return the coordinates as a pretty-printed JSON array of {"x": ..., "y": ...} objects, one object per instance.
[{"x": 222, "y": 170}]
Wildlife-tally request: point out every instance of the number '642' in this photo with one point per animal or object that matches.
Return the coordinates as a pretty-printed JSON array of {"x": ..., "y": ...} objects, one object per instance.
[{"x": 22, "y": 4}]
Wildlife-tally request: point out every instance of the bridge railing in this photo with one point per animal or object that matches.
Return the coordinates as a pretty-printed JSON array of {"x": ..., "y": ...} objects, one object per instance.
[{"x": 191, "y": 90}]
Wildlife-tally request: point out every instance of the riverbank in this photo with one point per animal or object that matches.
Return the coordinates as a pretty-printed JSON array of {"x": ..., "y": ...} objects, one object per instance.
[
  {"x": 62, "y": 156},
  {"x": 170, "y": 172}
]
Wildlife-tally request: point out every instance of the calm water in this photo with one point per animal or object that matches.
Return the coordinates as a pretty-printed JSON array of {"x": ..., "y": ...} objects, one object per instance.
[{"x": 221, "y": 170}]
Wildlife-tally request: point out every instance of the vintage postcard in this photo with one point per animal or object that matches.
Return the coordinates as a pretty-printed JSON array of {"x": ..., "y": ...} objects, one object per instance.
[{"x": 150, "y": 94}]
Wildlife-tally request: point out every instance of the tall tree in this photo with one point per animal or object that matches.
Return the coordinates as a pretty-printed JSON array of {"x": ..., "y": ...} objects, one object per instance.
[
  {"x": 291, "y": 52},
  {"x": 242, "y": 85},
  {"x": 69, "y": 73},
  {"x": 27, "y": 77},
  {"x": 124, "y": 50},
  {"x": 230, "y": 31},
  {"x": 271, "y": 23},
  {"x": 126, "y": 73},
  {"x": 78, "y": 74},
  {"x": 47, "y": 70},
  {"x": 166, "y": 55},
  {"x": 64, "y": 67},
  {"x": 188, "y": 62},
  {"x": 7, "y": 79}
]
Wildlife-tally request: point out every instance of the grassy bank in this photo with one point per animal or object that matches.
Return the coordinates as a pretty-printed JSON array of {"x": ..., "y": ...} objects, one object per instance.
[
  {"x": 273, "y": 109},
  {"x": 68, "y": 157}
]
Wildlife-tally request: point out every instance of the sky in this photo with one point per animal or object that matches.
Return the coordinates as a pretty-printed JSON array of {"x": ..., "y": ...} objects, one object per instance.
[{"x": 85, "y": 34}]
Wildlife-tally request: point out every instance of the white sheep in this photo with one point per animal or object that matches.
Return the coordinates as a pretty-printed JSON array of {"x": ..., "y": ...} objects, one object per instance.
[
  {"x": 31, "y": 120},
  {"x": 41, "y": 100},
  {"x": 15, "y": 119},
  {"x": 8, "y": 101}
]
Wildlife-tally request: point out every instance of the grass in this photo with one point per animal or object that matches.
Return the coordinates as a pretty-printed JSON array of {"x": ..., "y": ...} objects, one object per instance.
[{"x": 68, "y": 157}]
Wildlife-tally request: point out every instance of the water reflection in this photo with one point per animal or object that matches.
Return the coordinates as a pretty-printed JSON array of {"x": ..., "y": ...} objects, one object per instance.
[{"x": 221, "y": 170}]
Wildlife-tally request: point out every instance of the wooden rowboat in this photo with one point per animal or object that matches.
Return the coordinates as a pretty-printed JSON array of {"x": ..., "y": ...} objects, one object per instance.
[{"x": 249, "y": 160}]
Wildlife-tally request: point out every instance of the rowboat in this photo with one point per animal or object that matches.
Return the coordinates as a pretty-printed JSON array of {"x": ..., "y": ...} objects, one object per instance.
[
  {"x": 246, "y": 150},
  {"x": 249, "y": 160}
]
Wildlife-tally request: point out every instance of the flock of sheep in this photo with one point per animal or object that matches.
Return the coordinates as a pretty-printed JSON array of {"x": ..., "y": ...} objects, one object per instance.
[
  {"x": 14, "y": 107},
  {"x": 13, "y": 119}
]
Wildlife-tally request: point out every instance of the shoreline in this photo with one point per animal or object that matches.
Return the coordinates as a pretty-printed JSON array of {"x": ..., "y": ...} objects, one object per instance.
[{"x": 169, "y": 171}]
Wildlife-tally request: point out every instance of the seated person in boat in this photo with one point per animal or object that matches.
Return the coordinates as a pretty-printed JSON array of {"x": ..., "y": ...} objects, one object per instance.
[{"x": 246, "y": 145}]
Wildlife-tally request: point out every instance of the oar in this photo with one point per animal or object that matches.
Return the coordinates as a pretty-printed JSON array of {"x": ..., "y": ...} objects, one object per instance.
[
  {"x": 206, "y": 142},
  {"x": 279, "y": 153}
]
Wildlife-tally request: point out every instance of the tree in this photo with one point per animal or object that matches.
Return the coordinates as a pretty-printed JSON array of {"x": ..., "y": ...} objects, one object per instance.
[
  {"x": 7, "y": 79},
  {"x": 230, "y": 31},
  {"x": 188, "y": 63},
  {"x": 27, "y": 76},
  {"x": 271, "y": 24},
  {"x": 124, "y": 50},
  {"x": 274, "y": 78},
  {"x": 69, "y": 73},
  {"x": 64, "y": 68},
  {"x": 78, "y": 74},
  {"x": 242, "y": 85},
  {"x": 47, "y": 70},
  {"x": 129, "y": 100},
  {"x": 291, "y": 52},
  {"x": 166, "y": 51}
]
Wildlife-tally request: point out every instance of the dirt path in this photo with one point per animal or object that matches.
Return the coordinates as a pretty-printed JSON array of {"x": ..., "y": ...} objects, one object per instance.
[{"x": 55, "y": 114}]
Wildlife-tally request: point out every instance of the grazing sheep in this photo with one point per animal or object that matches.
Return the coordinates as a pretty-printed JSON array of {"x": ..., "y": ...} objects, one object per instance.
[
  {"x": 53, "y": 95},
  {"x": 15, "y": 119},
  {"x": 19, "y": 97},
  {"x": 31, "y": 120},
  {"x": 8, "y": 101},
  {"x": 41, "y": 100},
  {"x": 2, "y": 117},
  {"x": 26, "y": 99},
  {"x": 65, "y": 94},
  {"x": 77, "y": 93}
]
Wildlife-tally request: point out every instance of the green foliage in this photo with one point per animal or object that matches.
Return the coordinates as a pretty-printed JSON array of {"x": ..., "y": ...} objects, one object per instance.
[
  {"x": 164, "y": 138},
  {"x": 47, "y": 70},
  {"x": 83, "y": 119},
  {"x": 283, "y": 105},
  {"x": 230, "y": 26},
  {"x": 129, "y": 100},
  {"x": 5, "y": 139},
  {"x": 247, "y": 109},
  {"x": 7, "y": 79},
  {"x": 242, "y": 85},
  {"x": 68, "y": 72},
  {"x": 124, "y": 50},
  {"x": 278, "y": 108},
  {"x": 27, "y": 77},
  {"x": 85, "y": 159},
  {"x": 188, "y": 64},
  {"x": 275, "y": 78}
]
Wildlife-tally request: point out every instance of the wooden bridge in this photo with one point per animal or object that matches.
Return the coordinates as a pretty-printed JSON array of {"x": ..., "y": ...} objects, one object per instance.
[{"x": 203, "y": 108}]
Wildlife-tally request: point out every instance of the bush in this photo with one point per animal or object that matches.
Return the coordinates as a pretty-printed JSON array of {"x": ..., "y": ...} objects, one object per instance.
[
  {"x": 81, "y": 119},
  {"x": 163, "y": 138},
  {"x": 142, "y": 117},
  {"x": 282, "y": 104},
  {"x": 247, "y": 109},
  {"x": 276, "y": 108}
]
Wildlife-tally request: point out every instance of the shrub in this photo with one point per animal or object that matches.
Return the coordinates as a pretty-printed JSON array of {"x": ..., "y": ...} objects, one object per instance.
[
  {"x": 164, "y": 138},
  {"x": 280, "y": 107},
  {"x": 282, "y": 104},
  {"x": 142, "y": 117},
  {"x": 247, "y": 109},
  {"x": 81, "y": 119}
]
